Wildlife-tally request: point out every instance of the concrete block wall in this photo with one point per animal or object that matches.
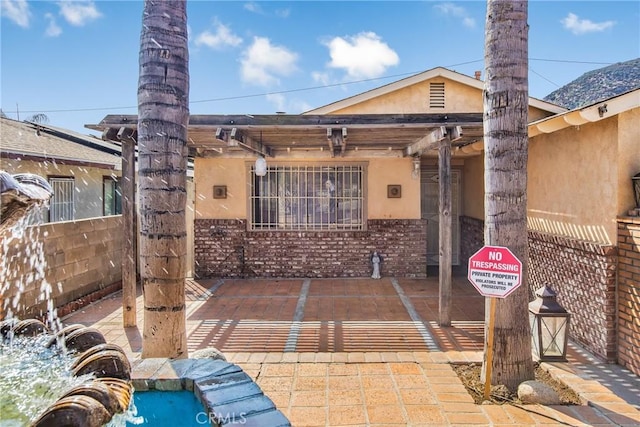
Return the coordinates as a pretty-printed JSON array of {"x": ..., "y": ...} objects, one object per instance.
[
  {"x": 583, "y": 274},
  {"x": 629, "y": 293},
  {"x": 68, "y": 261},
  {"x": 224, "y": 248}
]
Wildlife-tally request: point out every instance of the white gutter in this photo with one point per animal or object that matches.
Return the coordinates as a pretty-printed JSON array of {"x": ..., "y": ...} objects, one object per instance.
[{"x": 592, "y": 113}]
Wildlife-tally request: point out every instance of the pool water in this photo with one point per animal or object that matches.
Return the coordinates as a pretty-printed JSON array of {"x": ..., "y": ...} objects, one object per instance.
[{"x": 169, "y": 409}]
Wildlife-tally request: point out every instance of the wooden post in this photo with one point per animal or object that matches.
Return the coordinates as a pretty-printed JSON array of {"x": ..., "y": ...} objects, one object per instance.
[
  {"x": 445, "y": 256},
  {"x": 129, "y": 233},
  {"x": 489, "y": 361}
]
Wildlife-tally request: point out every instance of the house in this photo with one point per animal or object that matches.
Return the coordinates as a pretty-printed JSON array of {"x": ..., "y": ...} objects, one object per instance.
[
  {"x": 314, "y": 195},
  {"x": 83, "y": 171},
  {"x": 336, "y": 188}
]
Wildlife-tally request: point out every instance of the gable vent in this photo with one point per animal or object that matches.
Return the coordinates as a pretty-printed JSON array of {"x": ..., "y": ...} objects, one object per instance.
[{"x": 436, "y": 95}]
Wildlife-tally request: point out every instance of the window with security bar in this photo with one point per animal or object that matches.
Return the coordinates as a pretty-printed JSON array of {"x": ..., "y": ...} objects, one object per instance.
[
  {"x": 308, "y": 197},
  {"x": 61, "y": 205}
]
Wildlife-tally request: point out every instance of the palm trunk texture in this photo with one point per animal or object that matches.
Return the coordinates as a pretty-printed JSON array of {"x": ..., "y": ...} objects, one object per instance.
[
  {"x": 506, "y": 144},
  {"x": 163, "y": 116}
]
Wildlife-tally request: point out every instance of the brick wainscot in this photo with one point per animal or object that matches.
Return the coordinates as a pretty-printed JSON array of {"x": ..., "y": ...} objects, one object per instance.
[{"x": 225, "y": 248}]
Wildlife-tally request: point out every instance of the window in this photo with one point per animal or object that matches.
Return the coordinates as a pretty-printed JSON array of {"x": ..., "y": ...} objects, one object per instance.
[
  {"x": 111, "y": 196},
  {"x": 61, "y": 205},
  {"x": 436, "y": 95},
  {"x": 314, "y": 197}
]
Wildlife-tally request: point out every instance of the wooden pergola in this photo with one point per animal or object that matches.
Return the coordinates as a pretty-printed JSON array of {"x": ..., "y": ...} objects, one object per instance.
[{"x": 312, "y": 136}]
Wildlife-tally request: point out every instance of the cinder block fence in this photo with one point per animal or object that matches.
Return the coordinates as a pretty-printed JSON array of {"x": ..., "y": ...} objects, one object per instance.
[{"x": 68, "y": 263}]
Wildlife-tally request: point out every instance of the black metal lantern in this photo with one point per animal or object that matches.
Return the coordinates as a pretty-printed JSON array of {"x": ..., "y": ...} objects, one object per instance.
[
  {"x": 636, "y": 188},
  {"x": 549, "y": 327}
]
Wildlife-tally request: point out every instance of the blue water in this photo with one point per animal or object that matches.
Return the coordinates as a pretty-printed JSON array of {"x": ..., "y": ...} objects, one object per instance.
[{"x": 170, "y": 409}]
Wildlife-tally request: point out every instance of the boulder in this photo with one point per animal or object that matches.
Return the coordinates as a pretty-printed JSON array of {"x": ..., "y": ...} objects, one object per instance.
[{"x": 536, "y": 392}]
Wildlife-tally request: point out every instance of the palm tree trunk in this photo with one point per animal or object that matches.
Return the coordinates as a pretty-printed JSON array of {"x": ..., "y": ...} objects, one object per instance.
[
  {"x": 506, "y": 144},
  {"x": 163, "y": 117}
]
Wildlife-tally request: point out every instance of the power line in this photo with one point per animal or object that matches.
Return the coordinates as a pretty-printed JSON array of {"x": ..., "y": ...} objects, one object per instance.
[
  {"x": 257, "y": 95},
  {"x": 543, "y": 77},
  {"x": 571, "y": 62}
]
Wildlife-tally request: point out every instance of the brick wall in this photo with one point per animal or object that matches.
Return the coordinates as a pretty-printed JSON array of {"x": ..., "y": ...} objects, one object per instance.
[
  {"x": 629, "y": 293},
  {"x": 224, "y": 248},
  {"x": 74, "y": 261},
  {"x": 471, "y": 238},
  {"x": 583, "y": 274}
]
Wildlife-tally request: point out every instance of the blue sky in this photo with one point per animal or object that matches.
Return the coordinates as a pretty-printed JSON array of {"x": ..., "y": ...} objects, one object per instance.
[{"x": 77, "y": 61}]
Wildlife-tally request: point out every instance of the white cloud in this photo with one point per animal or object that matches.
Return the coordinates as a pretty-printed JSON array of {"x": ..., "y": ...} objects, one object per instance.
[
  {"x": 323, "y": 78},
  {"x": 262, "y": 62},
  {"x": 456, "y": 11},
  {"x": 253, "y": 7},
  {"x": 362, "y": 56},
  {"x": 53, "y": 29},
  {"x": 17, "y": 11},
  {"x": 222, "y": 37},
  {"x": 583, "y": 26},
  {"x": 79, "y": 13}
]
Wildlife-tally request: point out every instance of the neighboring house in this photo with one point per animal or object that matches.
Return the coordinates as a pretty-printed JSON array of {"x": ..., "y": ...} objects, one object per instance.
[
  {"x": 583, "y": 241},
  {"x": 83, "y": 170}
]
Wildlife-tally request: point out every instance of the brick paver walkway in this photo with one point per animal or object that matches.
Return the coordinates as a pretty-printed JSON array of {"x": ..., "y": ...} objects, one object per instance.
[{"x": 362, "y": 352}]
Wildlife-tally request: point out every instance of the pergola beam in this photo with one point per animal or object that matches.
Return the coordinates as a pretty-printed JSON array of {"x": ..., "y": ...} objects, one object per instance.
[
  {"x": 236, "y": 138},
  {"x": 455, "y": 133},
  {"x": 337, "y": 138},
  {"x": 430, "y": 141}
]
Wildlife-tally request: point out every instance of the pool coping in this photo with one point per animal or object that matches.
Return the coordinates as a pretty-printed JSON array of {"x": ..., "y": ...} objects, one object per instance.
[{"x": 227, "y": 393}]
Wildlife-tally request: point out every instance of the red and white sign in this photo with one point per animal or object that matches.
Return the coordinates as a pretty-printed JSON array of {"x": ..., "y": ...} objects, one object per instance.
[{"x": 495, "y": 271}]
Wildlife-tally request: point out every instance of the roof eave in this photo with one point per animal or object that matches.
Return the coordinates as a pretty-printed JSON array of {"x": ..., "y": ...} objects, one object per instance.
[{"x": 595, "y": 112}]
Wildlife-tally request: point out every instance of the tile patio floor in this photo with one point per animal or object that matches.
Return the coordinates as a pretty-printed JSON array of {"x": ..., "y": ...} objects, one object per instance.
[{"x": 363, "y": 352}]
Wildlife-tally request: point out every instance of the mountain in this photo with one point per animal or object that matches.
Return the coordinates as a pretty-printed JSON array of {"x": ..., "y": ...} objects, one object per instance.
[{"x": 598, "y": 85}]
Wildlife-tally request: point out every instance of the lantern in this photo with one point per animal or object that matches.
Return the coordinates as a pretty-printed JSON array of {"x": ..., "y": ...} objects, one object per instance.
[
  {"x": 636, "y": 188},
  {"x": 549, "y": 327},
  {"x": 260, "y": 166}
]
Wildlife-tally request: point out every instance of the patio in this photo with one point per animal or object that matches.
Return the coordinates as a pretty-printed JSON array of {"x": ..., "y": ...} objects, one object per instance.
[
  {"x": 311, "y": 315},
  {"x": 332, "y": 352}
]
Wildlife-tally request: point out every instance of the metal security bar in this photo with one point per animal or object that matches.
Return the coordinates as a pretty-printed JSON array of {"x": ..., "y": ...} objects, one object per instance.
[
  {"x": 308, "y": 197},
  {"x": 61, "y": 206}
]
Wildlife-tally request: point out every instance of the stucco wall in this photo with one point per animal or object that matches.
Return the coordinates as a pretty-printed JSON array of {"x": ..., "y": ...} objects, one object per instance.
[
  {"x": 628, "y": 157},
  {"x": 88, "y": 181},
  {"x": 70, "y": 260},
  {"x": 573, "y": 182},
  {"x": 459, "y": 98},
  {"x": 233, "y": 172}
]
